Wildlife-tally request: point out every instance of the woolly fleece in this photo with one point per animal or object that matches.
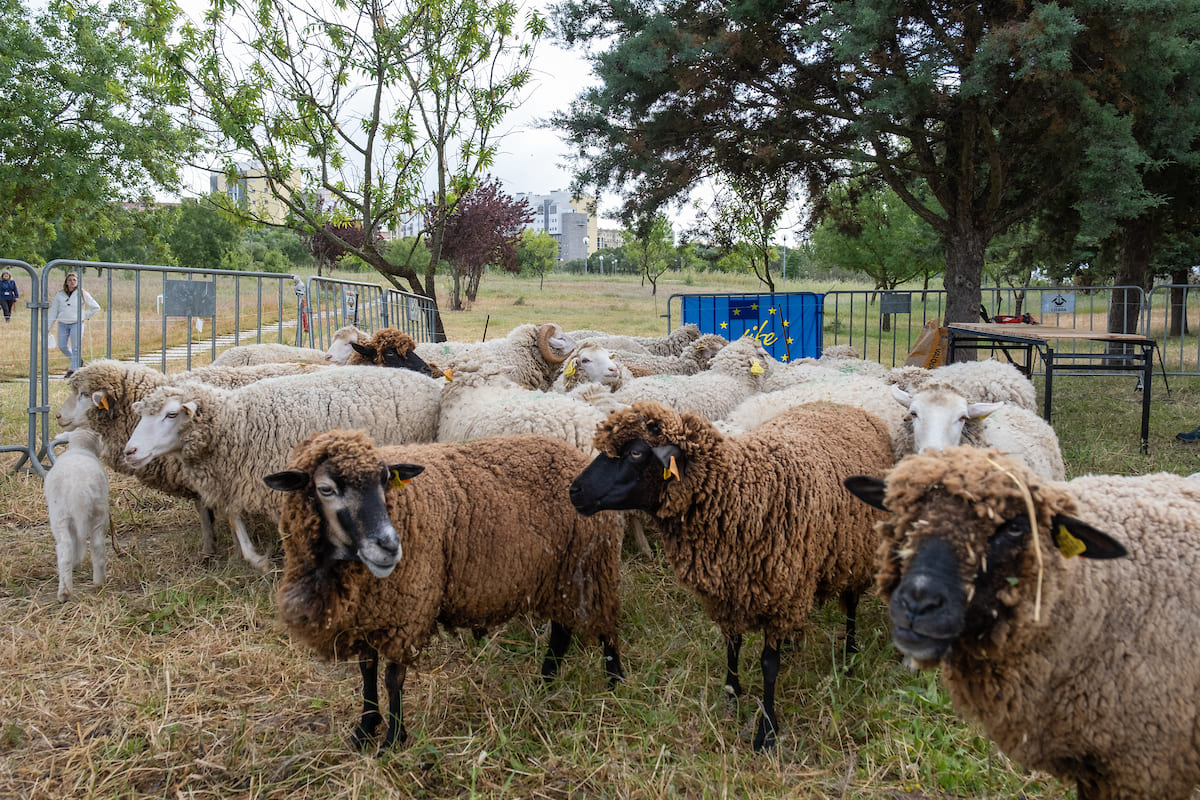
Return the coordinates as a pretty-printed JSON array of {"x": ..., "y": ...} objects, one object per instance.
[
  {"x": 1104, "y": 690},
  {"x": 486, "y": 533},
  {"x": 760, "y": 526}
]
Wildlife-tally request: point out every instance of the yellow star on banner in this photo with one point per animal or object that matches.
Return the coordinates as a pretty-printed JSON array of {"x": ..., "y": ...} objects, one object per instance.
[
  {"x": 737, "y": 311},
  {"x": 754, "y": 307},
  {"x": 786, "y": 323},
  {"x": 772, "y": 311},
  {"x": 785, "y": 358},
  {"x": 789, "y": 340},
  {"x": 724, "y": 324}
]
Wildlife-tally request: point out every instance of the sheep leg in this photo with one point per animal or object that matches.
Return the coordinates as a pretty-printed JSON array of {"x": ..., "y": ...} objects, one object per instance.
[
  {"x": 733, "y": 651},
  {"x": 849, "y": 600},
  {"x": 207, "y": 544},
  {"x": 368, "y": 665},
  {"x": 560, "y": 639},
  {"x": 764, "y": 736},
  {"x": 64, "y": 549},
  {"x": 612, "y": 661},
  {"x": 393, "y": 680},
  {"x": 99, "y": 553},
  {"x": 256, "y": 559}
]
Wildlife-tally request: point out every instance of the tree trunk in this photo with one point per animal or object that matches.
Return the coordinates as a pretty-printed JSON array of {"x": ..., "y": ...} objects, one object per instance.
[
  {"x": 473, "y": 284},
  {"x": 1133, "y": 263},
  {"x": 1177, "y": 319},
  {"x": 964, "y": 268},
  {"x": 456, "y": 291}
]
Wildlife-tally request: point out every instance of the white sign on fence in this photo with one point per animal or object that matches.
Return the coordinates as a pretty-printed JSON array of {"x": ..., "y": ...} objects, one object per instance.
[{"x": 1058, "y": 303}]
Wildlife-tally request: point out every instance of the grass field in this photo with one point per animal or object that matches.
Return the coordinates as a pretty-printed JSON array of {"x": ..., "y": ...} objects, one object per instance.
[{"x": 175, "y": 680}]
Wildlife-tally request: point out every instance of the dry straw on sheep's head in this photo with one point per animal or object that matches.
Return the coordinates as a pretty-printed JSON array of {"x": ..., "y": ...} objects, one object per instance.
[{"x": 963, "y": 495}]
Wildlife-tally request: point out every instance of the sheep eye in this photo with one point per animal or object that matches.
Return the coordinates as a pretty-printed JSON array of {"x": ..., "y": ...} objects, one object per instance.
[
  {"x": 1013, "y": 529},
  {"x": 171, "y": 414},
  {"x": 654, "y": 428},
  {"x": 327, "y": 490}
]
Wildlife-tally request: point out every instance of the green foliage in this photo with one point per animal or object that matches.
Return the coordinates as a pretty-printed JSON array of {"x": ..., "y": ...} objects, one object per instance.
[
  {"x": 871, "y": 232},
  {"x": 537, "y": 253},
  {"x": 85, "y": 117},
  {"x": 203, "y": 236}
]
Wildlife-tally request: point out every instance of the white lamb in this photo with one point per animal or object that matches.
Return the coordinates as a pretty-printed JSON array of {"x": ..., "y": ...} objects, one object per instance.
[
  {"x": 76, "y": 490},
  {"x": 589, "y": 363},
  {"x": 339, "y": 350}
]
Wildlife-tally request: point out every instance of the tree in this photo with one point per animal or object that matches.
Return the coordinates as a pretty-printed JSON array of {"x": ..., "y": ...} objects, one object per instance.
[
  {"x": 537, "y": 253},
  {"x": 202, "y": 235},
  {"x": 976, "y": 115},
  {"x": 482, "y": 229},
  {"x": 870, "y": 231},
  {"x": 85, "y": 116},
  {"x": 333, "y": 241},
  {"x": 745, "y": 215},
  {"x": 367, "y": 104},
  {"x": 648, "y": 245}
]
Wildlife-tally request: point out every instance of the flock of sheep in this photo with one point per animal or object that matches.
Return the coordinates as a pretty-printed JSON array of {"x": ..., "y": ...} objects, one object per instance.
[{"x": 461, "y": 484}]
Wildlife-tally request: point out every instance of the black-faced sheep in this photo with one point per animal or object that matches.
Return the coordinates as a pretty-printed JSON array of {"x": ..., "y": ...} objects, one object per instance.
[
  {"x": 482, "y": 534},
  {"x": 758, "y": 525},
  {"x": 1078, "y": 667},
  {"x": 388, "y": 347},
  {"x": 76, "y": 490}
]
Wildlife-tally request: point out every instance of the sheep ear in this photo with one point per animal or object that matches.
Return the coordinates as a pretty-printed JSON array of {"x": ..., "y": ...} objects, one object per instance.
[
  {"x": 290, "y": 480},
  {"x": 403, "y": 472},
  {"x": 902, "y": 397},
  {"x": 977, "y": 410},
  {"x": 669, "y": 456},
  {"x": 1076, "y": 538},
  {"x": 363, "y": 350},
  {"x": 869, "y": 490},
  {"x": 190, "y": 408},
  {"x": 100, "y": 399}
]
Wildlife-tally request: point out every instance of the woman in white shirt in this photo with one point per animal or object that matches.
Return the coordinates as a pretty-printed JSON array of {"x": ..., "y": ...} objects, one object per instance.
[{"x": 66, "y": 311}]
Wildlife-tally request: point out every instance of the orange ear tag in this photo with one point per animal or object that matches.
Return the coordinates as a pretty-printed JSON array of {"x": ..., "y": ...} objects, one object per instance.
[
  {"x": 448, "y": 374},
  {"x": 672, "y": 471},
  {"x": 103, "y": 405}
]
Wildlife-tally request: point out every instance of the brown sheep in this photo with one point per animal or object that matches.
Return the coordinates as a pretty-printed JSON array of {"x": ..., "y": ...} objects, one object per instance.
[
  {"x": 758, "y": 525},
  {"x": 483, "y": 534},
  {"x": 1082, "y": 668}
]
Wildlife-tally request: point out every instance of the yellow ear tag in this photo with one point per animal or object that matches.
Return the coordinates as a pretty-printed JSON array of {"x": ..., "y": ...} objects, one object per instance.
[
  {"x": 672, "y": 471},
  {"x": 396, "y": 482},
  {"x": 570, "y": 368},
  {"x": 756, "y": 368},
  {"x": 1067, "y": 543},
  {"x": 103, "y": 402}
]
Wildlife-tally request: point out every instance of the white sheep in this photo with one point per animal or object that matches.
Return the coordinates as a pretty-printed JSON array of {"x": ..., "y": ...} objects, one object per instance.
[
  {"x": 939, "y": 416},
  {"x": 340, "y": 349},
  {"x": 673, "y": 344},
  {"x": 266, "y": 353},
  {"x": 76, "y": 490},
  {"x": 1081, "y": 667},
  {"x": 986, "y": 381},
  {"x": 535, "y": 352},
  {"x": 737, "y": 372},
  {"x": 227, "y": 439},
  {"x": 102, "y": 396},
  {"x": 849, "y": 388},
  {"x": 591, "y": 362}
]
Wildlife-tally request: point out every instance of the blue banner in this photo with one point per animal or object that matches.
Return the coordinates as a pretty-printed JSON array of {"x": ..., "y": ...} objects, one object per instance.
[{"x": 787, "y": 324}]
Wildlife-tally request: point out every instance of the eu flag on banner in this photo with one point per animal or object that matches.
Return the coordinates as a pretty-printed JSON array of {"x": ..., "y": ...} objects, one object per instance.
[{"x": 744, "y": 308}]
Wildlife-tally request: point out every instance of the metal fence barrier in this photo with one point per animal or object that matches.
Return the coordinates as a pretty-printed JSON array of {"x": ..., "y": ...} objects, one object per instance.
[{"x": 176, "y": 318}]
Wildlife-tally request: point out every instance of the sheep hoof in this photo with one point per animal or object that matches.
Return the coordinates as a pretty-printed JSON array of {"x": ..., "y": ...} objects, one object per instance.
[{"x": 764, "y": 736}]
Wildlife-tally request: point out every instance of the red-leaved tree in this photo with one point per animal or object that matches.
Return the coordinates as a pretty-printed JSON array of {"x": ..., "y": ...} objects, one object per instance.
[
  {"x": 333, "y": 241},
  {"x": 482, "y": 229}
]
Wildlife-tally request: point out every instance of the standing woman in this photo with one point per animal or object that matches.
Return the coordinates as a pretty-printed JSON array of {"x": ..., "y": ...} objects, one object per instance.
[
  {"x": 65, "y": 310},
  {"x": 8, "y": 294}
]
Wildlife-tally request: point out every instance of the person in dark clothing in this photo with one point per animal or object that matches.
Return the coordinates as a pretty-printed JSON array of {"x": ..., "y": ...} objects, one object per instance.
[{"x": 8, "y": 294}]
